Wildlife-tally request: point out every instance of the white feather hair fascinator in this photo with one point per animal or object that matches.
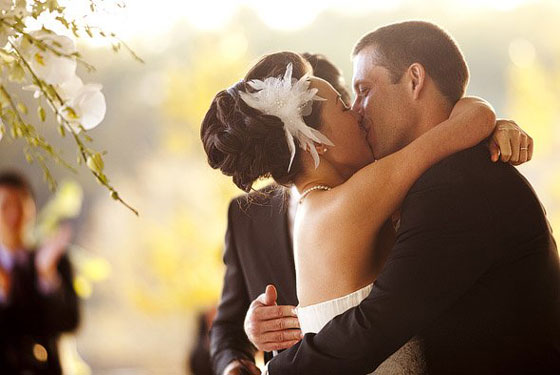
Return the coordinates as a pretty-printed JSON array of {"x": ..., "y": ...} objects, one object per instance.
[{"x": 289, "y": 100}]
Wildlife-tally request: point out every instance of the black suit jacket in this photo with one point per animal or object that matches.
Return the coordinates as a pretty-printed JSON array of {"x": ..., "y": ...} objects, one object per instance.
[
  {"x": 474, "y": 274},
  {"x": 31, "y": 318},
  {"x": 258, "y": 252}
]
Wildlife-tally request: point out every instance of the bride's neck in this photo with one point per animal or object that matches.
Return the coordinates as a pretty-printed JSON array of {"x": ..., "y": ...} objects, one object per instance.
[{"x": 324, "y": 175}]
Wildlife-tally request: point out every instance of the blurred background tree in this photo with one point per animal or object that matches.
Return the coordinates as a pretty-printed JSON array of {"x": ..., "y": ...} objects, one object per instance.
[{"x": 38, "y": 53}]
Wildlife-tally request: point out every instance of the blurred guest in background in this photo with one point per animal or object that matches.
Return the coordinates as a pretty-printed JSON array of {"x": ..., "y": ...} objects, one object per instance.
[
  {"x": 37, "y": 300},
  {"x": 199, "y": 359},
  {"x": 325, "y": 69},
  {"x": 259, "y": 252}
]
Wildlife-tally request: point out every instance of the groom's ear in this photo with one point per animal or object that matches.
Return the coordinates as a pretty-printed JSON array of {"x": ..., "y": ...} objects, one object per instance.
[{"x": 417, "y": 77}]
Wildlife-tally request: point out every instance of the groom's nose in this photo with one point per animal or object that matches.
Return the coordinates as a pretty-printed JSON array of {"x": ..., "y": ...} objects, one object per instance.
[{"x": 357, "y": 105}]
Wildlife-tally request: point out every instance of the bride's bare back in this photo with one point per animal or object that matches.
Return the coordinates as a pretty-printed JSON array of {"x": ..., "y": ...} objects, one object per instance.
[{"x": 335, "y": 258}]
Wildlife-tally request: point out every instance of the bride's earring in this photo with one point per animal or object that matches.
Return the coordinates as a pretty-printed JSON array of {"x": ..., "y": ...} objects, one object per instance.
[{"x": 325, "y": 149}]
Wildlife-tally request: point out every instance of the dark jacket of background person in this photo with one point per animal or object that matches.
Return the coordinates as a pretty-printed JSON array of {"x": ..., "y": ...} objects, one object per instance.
[
  {"x": 258, "y": 252},
  {"x": 474, "y": 273},
  {"x": 31, "y": 322},
  {"x": 199, "y": 358}
]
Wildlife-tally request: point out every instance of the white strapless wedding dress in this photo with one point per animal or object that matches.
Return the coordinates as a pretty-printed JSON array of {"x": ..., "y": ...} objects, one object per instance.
[{"x": 312, "y": 318}]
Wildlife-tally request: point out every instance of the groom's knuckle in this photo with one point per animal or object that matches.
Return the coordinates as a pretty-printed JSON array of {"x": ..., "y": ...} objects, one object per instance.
[
  {"x": 250, "y": 329},
  {"x": 254, "y": 329}
]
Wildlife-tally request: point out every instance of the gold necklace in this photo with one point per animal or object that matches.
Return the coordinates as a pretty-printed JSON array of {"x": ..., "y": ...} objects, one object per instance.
[{"x": 316, "y": 187}]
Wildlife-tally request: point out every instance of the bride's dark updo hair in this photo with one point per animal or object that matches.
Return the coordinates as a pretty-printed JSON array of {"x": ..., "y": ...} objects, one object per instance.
[{"x": 245, "y": 143}]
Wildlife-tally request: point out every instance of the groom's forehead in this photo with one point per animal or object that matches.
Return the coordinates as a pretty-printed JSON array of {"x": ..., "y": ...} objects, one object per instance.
[{"x": 365, "y": 63}]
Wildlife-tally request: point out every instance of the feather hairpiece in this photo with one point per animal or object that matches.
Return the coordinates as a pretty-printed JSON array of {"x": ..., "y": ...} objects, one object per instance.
[{"x": 289, "y": 100}]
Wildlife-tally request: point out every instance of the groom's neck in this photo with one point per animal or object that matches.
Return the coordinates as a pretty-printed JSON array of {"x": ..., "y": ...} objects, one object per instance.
[{"x": 431, "y": 115}]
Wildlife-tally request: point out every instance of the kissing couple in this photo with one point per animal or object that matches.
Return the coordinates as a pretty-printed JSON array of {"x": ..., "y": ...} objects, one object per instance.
[{"x": 417, "y": 246}]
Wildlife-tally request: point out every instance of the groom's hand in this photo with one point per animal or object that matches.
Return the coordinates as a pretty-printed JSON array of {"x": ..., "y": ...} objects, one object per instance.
[{"x": 269, "y": 326}]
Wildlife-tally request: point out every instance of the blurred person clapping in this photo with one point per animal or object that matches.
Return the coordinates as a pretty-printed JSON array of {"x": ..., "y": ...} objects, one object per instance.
[{"x": 37, "y": 300}]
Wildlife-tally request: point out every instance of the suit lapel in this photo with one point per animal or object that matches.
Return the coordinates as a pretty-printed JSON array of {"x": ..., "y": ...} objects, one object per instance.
[{"x": 284, "y": 240}]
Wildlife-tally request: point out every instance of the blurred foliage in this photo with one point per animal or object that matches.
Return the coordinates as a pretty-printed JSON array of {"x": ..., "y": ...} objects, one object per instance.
[
  {"x": 533, "y": 96},
  {"x": 33, "y": 57},
  {"x": 219, "y": 62},
  {"x": 183, "y": 246},
  {"x": 65, "y": 204}
]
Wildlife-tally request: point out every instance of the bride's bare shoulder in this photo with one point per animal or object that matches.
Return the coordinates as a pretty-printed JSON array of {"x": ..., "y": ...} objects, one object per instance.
[{"x": 321, "y": 211}]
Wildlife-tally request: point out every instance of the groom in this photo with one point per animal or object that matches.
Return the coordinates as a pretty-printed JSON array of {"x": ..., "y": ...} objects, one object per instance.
[{"x": 474, "y": 273}]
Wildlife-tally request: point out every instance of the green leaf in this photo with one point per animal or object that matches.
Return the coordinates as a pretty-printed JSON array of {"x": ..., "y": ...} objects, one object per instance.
[
  {"x": 95, "y": 163},
  {"x": 22, "y": 108},
  {"x": 42, "y": 114},
  {"x": 17, "y": 73}
]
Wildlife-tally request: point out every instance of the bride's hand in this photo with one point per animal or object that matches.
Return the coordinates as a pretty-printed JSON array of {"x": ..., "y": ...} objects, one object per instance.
[{"x": 509, "y": 143}]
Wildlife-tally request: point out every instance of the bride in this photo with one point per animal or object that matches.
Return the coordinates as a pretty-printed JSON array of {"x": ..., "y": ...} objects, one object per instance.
[{"x": 284, "y": 123}]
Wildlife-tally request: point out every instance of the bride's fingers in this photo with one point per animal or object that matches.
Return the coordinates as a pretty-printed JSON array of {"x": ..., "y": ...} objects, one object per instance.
[
  {"x": 515, "y": 140},
  {"x": 494, "y": 151},
  {"x": 530, "y": 148},
  {"x": 280, "y": 324},
  {"x": 501, "y": 137},
  {"x": 523, "y": 150}
]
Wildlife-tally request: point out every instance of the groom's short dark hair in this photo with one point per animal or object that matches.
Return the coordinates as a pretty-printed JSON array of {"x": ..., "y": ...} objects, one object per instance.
[{"x": 401, "y": 44}]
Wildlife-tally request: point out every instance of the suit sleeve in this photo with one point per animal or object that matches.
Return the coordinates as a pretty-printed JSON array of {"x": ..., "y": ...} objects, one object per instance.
[
  {"x": 228, "y": 340},
  {"x": 60, "y": 310},
  {"x": 443, "y": 246}
]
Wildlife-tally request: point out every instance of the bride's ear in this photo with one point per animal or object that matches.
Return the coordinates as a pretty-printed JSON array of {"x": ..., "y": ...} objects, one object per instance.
[
  {"x": 321, "y": 148},
  {"x": 417, "y": 76}
]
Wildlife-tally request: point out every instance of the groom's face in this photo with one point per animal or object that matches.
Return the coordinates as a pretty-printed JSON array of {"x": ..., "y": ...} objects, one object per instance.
[{"x": 385, "y": 105}]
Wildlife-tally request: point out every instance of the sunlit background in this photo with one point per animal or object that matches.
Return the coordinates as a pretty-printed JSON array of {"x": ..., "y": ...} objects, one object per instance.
[{"x": 144, "y": 279}]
